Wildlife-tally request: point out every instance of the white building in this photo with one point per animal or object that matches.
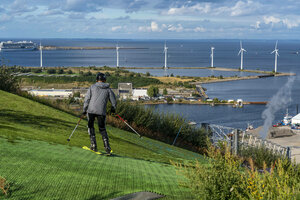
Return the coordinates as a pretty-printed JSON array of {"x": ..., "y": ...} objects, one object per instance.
[
  {"x": 296, "y": 119},
  {"x": 139, "y": 93},
  {"x": 51, "y": 93}
]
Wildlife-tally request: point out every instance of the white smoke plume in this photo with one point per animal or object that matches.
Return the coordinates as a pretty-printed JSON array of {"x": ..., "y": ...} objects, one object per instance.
[{"x": 279, "y": 101}]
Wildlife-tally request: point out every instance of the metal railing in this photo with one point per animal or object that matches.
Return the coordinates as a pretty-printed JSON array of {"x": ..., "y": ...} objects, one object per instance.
[{"x": 243, "y": 139}]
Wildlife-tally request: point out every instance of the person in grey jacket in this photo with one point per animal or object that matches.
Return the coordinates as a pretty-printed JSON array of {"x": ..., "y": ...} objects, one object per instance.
[{"x": 95, "y": 107}]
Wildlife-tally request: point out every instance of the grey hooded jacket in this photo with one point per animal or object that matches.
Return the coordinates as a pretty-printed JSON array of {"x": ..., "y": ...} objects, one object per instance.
[{"x": 96, "y": 99}]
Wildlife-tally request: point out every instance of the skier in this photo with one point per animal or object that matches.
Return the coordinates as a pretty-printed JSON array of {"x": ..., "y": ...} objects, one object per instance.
[{"x": 95, "y": 107}]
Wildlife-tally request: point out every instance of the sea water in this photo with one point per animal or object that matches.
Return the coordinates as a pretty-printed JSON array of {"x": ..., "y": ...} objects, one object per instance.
[{"x": 186, "y": 53}]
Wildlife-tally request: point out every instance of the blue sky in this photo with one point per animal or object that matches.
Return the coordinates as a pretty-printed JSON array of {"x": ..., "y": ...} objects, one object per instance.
[{"x": 150, "y": 19}]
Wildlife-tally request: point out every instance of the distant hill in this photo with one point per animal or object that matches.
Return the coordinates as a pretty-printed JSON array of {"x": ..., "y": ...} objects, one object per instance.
[{"x": 39, "y": 164}]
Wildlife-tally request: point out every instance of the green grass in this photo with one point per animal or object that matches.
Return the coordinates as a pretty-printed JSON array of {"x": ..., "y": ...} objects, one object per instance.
[{"x": 37, "y": 161}]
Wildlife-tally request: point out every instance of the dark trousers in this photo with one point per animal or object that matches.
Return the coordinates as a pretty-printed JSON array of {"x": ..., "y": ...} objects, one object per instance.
[
  {"x": 100, "y": 119},
  {"x": 102, "y": 130}
]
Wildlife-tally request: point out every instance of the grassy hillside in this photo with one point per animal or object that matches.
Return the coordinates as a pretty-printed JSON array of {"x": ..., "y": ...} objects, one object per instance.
[{"x": 38, "y": 162}]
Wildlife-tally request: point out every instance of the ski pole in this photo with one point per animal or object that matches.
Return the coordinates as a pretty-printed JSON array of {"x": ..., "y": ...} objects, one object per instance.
[
  {"x": 75, "y": 128},
  {"x": 129, "y": 125}
]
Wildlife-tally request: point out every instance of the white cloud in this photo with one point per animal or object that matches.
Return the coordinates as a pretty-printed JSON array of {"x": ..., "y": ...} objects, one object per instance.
[
  {"x": 116, "y": 28},
  {"x": 245, "y": 8},
  {"x": 199, "y": 29},
  {"x": 154, "y": 27},
  {"x": 290, "y": 24},
  {"x": 178, "y": 28},
  {"x": 271, "y": 20},
  {"x": 144, "y": 29},
  {"x": 286, "y": 22},
  {"x": 201, "y": 8}
]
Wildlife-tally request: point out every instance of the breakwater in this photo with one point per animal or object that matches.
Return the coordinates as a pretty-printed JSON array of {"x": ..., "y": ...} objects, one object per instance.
[{"x": 85, "y": 48}]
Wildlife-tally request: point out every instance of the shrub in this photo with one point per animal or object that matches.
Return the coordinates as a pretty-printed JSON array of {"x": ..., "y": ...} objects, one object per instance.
[
  {"x": 148, "y": 74},
  {"x": 8, "y": 82},
  {"x": 220, "y": 179},
  {"x": 260, "y": 155},
  {"x": 160, "y": 126},
  {"x": 70, "y": 72},
  {"x": 39, "y": 70},
  {"x": 225, "y": 178},
  {"x": 165, "y": 91},
  {"x": 51, "y": 71},
  {"x": 152, "y": 91},
  {"x": 61, "y": 71},
  {"x": 88, "y": 74},
  {"x": 169, "y": 99}
]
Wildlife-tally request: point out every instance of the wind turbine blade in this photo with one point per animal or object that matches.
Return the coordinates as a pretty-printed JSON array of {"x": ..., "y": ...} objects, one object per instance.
[
  {"x": 272, "y": 52},
  {"x": 276, "y": 44},
  {"x": 244, "y": 50},
  {"x": 241, "y": 44},
  {"x": 240, "y": 52},
  {"x": 277, "y": 53}
]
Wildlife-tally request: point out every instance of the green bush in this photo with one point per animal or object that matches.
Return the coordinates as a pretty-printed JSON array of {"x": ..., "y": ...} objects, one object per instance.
[
  {"x": 225, "y": 178},
  {"x": 165, "y": 91},
  {"x": 152, "y": 91},
  {"x": 60, "y": 71},
  {"x": 260, "y": 155},
  {"x": 8, "y": 82},
  {"x": 166, "y": 126},
  {"x": 39, "y": 70},
  {"x": 51, "y": 71}
]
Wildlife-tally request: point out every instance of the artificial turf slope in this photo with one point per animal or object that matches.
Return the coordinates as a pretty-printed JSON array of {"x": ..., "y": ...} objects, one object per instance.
[{"x": 39, "y": 164}]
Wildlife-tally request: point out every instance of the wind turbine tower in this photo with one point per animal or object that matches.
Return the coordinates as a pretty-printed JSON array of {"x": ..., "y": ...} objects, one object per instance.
[
  {"x": 276, "y": 54},
  {"x": 166, "y": 56},
  {"x": 41, "y": 55},
  {"x": 117, "y": 49},
  {"x": 242, "y": 54},
  {"x": 212, "y": 56}
]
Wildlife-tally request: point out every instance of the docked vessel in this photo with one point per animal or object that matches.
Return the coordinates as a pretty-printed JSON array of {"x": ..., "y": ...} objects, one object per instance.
[{"x": 29, "y": 45}]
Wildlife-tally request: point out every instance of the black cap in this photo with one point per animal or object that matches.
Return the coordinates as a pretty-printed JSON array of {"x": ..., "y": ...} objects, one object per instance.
[{"x": 100, "y": 77}]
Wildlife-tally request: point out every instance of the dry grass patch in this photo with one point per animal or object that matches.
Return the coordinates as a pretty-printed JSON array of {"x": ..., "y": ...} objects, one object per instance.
[
  {"x": 4, "y": 186},
  {"x": 173, "y": 79}
]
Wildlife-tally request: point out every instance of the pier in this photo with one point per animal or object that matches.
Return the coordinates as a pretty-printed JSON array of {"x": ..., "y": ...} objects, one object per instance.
[{"x": 85, "y": 48}]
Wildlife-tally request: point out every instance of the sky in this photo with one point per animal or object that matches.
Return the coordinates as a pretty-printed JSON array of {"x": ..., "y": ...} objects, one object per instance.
[{"x": 150, "y": 19}]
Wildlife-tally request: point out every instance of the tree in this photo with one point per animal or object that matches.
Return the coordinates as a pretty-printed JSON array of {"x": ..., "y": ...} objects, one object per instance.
[
  {"x": 8, "y": 82},
  {"x": 70, "y": 72},
  {"x": 39, "y": 70},
  {"x": 76, "y": 94},
  {"x": 169, "y": 99},
  {"x": 165, "y": 91},
  {"x": 60, "y": 71},
  {"x": 152, "y": 91},
  {"x": 148, "y": 74},
  {"x": 51, "y": 71}
]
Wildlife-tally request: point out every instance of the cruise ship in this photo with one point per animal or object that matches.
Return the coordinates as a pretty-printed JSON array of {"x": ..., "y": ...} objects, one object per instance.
[{"x": 29, "y": 45}]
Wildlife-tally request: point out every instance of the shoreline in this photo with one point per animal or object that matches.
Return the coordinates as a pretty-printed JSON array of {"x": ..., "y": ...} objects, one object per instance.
[{"x": 205, "y": 103}]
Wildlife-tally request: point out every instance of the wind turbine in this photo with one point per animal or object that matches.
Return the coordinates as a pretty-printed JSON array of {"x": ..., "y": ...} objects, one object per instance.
[
  {"x": 117, "y": 49},
  {"x": 212, "y": 56},
  {"x": 276, "y": 54},
  {"x": 41, "y": 55},
  {"x": 166, "y": 56},
  {"x": 242, "y": 54}
]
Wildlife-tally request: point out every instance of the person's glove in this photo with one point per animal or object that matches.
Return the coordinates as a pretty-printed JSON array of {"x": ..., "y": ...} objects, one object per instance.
[
  {"x": 84, "y": 113},
  {"x": 113, "y": 110}
]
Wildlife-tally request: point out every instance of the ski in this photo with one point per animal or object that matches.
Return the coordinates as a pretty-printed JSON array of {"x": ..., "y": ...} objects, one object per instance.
[{"x": 97, "y": 152}]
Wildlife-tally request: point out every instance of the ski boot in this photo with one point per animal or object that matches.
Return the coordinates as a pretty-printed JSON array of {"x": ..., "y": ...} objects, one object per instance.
[{"x": 93, "y": 146}]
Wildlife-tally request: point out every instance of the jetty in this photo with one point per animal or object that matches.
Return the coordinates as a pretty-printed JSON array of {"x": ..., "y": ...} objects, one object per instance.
[{"x": 84, "y": 48}]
